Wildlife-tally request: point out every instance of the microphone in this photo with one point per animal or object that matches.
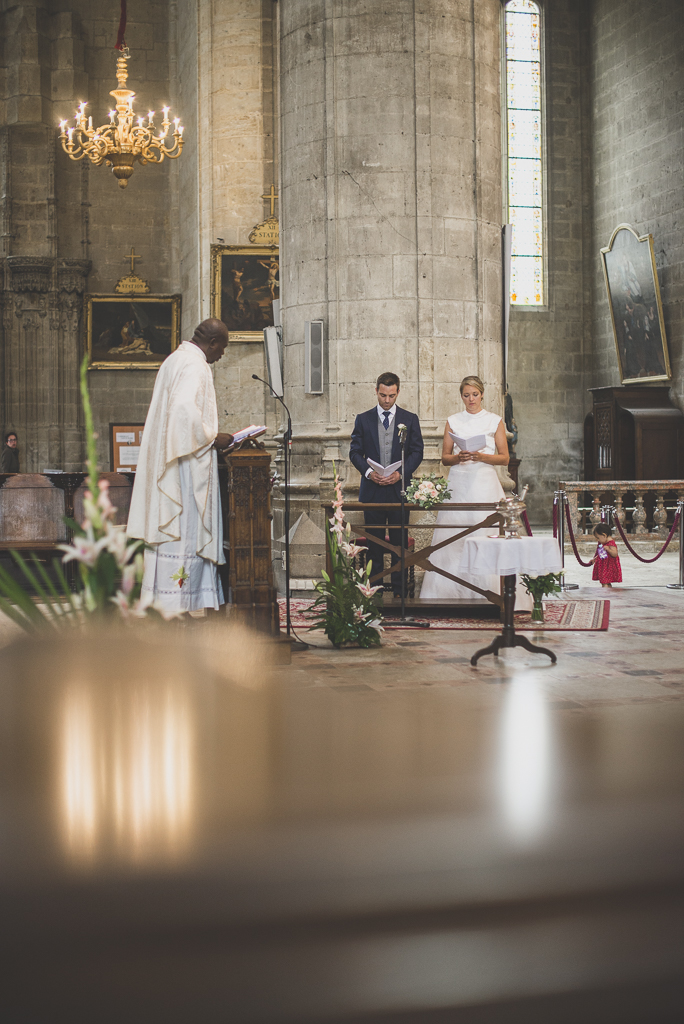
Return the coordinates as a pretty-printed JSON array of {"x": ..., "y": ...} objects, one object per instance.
[{"x": 255, "y": 377}]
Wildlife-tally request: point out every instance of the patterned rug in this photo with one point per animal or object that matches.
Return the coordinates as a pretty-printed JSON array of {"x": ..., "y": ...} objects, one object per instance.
[{"x": 559, "y": 615}]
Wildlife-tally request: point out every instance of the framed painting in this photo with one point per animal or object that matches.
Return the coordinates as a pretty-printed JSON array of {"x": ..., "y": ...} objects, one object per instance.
[
  {"x": 244, "y": 282},
  {"x": 131, "y": 332},
  {"x": 635, "y": 307}
]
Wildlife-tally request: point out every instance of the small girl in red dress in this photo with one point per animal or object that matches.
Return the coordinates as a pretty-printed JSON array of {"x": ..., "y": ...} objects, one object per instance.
[{"x": 607, "y": 568}]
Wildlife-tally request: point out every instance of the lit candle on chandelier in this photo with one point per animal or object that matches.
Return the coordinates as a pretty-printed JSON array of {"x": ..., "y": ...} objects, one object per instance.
[
  {"x": 140, "y": 121},
  {"x": 90, "y": 123},
  {"x": 62, "y": 126},
  {"x": 176, "y": 122},
  {"x": 165, "y": 111},
  {"x": 180, "y": 131},
  {"x": 150, "y": 115},
  {"x": 111, "y": 115}
]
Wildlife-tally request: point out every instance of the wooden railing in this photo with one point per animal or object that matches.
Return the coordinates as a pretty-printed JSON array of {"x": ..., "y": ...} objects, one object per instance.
[{"x": 646, "y": 508}]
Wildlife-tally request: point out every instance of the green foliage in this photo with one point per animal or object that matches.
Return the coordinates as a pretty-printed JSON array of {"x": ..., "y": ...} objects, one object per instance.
[{"x": 539, "y": 586}]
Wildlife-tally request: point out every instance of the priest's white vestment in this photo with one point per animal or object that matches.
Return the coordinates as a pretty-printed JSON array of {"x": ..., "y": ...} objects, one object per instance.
[{"x": 175, "y": 505}]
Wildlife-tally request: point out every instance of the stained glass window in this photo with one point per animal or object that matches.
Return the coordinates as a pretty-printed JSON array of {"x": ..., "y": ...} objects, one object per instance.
[{"x": 524, "y": 156}]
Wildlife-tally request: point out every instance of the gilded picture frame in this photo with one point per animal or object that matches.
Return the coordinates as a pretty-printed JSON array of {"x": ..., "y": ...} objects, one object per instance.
[
  {"x": 636, "y": 309},
  {"x": 131, "y": 332},
  {"x": 244, "y": 282}
]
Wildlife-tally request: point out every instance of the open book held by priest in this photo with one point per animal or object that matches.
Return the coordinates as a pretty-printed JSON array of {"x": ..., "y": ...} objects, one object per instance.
[{"x": 251, "y": 431}]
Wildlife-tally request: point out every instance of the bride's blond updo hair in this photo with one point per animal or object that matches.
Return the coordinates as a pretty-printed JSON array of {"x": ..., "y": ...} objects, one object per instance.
[{"x": 474, "y": 382}]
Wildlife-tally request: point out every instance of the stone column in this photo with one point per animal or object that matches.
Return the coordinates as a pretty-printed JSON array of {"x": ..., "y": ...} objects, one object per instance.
[
  {"x": 42, "y": 311},
  {"x": 390, "y": 211},
  {"x": 43, "y": 240}
]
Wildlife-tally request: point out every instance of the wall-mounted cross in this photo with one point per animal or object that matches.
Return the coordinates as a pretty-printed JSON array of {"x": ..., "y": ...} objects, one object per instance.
[
  {"x": 132, "y": 257},
  {"x": 272, "y": 196}
]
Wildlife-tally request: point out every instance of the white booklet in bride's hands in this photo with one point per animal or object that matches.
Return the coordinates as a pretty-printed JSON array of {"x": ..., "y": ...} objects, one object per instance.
[
  {"x": 384, "y": 470},
  {"x": 470, "y": 444}
]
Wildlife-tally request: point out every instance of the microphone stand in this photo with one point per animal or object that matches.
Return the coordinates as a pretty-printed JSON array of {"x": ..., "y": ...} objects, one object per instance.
[
  {"x": 297, "y": 645},
  {"x": 402, "y": 494}
]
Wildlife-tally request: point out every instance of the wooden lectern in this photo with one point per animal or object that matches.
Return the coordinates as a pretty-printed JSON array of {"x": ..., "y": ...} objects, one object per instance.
[
  {"x": 633, "y": 433},
  {"x": 247, "y": 576}
]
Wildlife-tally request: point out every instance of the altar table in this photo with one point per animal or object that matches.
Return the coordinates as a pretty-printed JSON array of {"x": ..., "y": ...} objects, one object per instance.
[{"x": 499, "y": 556}]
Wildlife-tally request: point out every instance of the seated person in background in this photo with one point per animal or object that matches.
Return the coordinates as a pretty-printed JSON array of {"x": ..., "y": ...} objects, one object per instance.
[{"x": 9, "y": 460}]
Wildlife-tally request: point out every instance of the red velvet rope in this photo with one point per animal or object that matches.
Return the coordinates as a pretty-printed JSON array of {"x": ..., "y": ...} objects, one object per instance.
[
  {"x": 555, "y": 517},
  {"x": 572, "y": 537},
  {"x": 120, "y": 39},
  {"x": 662, "y": 550},
  {"x": 526, "y": 523}
]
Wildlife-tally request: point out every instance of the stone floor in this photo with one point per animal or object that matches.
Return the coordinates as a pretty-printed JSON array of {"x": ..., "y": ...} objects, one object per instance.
[{"x": 637, "y": 660}]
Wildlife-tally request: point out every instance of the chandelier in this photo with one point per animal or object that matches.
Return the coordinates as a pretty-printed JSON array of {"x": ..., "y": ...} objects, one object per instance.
[{"x": 121, "y": 142}]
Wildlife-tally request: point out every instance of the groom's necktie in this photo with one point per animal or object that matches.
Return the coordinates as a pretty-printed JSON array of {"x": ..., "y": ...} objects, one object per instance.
[{"x": 386, "y": 421}]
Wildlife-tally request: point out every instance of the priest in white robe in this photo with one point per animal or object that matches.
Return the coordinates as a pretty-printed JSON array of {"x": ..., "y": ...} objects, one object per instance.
[{"x": 175, "y": 505}]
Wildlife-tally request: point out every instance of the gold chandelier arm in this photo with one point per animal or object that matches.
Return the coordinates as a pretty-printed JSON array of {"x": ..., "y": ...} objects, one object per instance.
[
  {"x": 74, "y": 153},
  {"x": 148, "y": 156},
  {"x": 175, "y": 151}
]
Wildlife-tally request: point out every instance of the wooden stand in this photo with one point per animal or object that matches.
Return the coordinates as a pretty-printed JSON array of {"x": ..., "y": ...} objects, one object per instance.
[
  {"x": 508, "y": 636},
  {"x": 633, "y": 433},
  {"x": 247, "y": 576}
]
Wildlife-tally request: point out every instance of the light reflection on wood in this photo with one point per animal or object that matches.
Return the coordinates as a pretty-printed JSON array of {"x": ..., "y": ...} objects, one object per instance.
[{"x": 127, "y": 771}]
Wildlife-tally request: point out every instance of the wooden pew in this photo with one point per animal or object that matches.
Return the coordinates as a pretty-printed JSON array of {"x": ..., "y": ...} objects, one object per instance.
[{"x": 33, "y": 507}]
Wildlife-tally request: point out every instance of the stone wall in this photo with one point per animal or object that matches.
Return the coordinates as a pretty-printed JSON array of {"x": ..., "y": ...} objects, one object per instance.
[
  {"x": 226, "y": 76},
  {"x": 638, "y": 117},
  {"x": 391, "y": 212},
  {"x": 550, "y": 347},
  {"x": 73, "y": 216},
  {"x": 42, "y": 275},
  {"x": 140, "y": 215}
]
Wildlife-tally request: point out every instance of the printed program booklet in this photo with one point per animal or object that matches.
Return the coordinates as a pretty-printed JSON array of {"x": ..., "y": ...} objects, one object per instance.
[
  {"x": 384, "y": 470},
  {"x": 470, "y": 444}
]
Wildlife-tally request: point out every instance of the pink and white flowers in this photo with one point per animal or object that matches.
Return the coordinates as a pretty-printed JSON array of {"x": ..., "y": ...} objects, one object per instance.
[
  {"x": 428, "y": 491},
  {"x": 345, "y": 603}
]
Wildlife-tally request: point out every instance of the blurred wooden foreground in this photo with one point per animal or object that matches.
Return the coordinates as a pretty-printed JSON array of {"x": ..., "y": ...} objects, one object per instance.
[{"x": 185, "y": 838}]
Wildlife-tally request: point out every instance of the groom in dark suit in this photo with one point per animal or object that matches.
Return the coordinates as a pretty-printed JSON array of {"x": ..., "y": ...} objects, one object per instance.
[{"x": 376, "y": 436}]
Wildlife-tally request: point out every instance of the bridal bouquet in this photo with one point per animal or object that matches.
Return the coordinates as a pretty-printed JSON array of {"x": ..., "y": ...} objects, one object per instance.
[
  {"x": 428, "y": 491},
  {"x": 345, "y": 606}
]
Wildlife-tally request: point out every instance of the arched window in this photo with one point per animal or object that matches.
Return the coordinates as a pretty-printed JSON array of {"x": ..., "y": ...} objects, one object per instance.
[{"x": 524, "y": 145}]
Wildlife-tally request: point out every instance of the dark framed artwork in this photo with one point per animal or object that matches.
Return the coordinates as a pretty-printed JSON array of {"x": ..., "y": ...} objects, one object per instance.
[
  {"x": 130, "y": 332},
  {"x": 635, "y": 307},
  {"x": 244, "y": 282}
]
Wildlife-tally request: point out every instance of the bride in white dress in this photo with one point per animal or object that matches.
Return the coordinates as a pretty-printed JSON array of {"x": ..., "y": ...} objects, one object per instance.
[{"x": 472, "y": 478}]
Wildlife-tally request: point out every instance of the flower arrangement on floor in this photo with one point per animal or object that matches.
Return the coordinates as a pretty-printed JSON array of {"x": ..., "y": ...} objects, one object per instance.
[
  {"x": 345, "y": 607},
  {"x": 110, "y": 563},
  {"x": 428, "y": 491},
  {"x": 538, "y": 587}
]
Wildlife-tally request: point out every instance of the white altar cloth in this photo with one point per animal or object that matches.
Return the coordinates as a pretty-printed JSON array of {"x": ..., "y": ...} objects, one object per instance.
[{"x": 490, "y": 556}]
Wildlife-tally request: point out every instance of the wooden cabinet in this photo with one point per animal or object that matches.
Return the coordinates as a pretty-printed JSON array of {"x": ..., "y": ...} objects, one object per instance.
[
  {"x": 633, "y": 433},
  {"x": 246, "y": 503}
]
